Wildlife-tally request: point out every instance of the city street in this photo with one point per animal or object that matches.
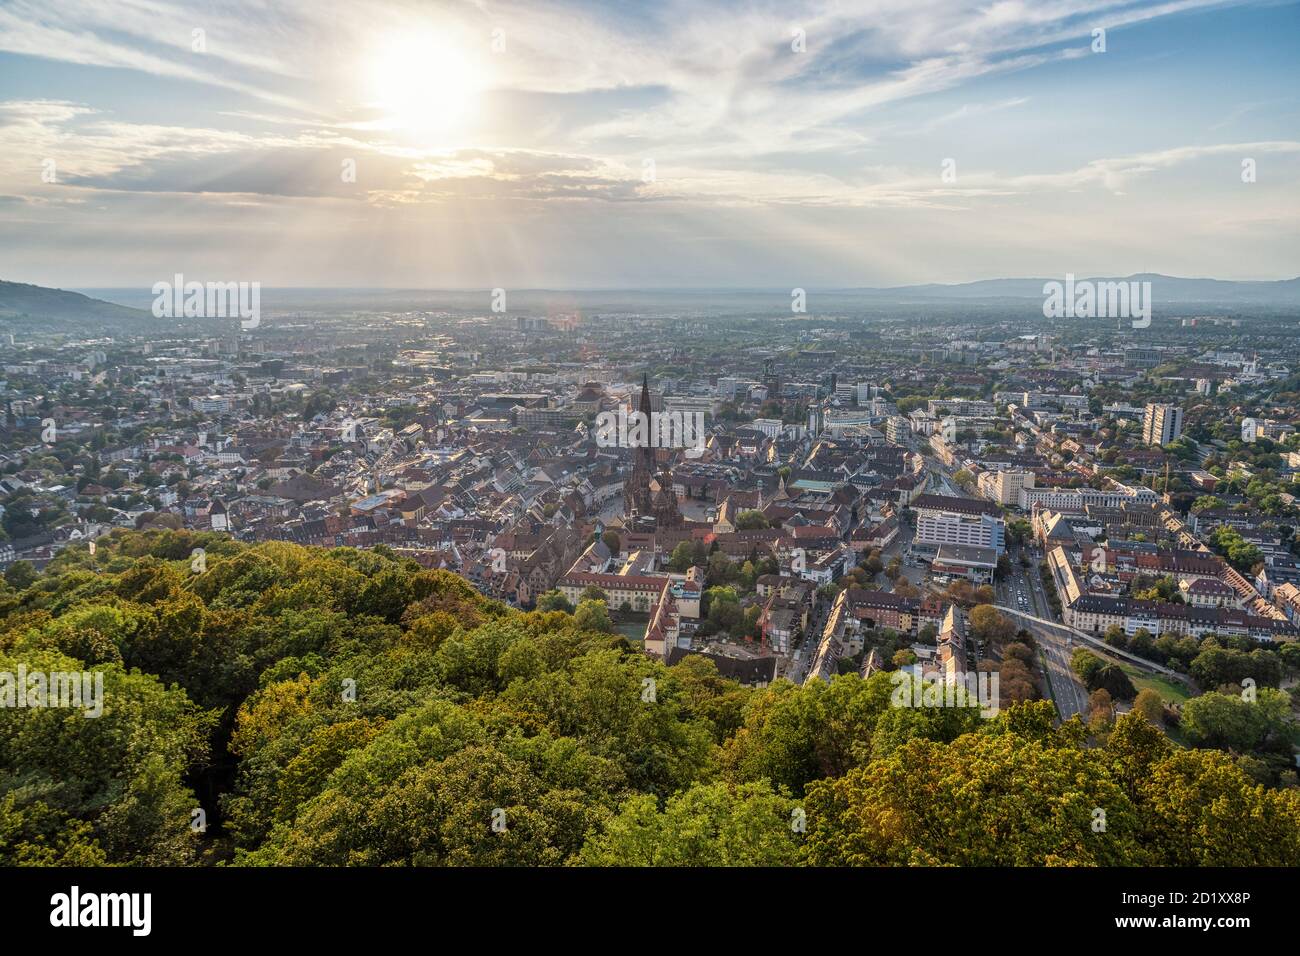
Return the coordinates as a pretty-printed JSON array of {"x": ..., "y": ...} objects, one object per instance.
[
  {"x": 1070, "y": 696},
  {"x": 1022, "y": 598}
]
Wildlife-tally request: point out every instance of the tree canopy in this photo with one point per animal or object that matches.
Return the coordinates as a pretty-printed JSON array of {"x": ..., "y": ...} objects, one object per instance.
[{"x": 298, "y": 706}]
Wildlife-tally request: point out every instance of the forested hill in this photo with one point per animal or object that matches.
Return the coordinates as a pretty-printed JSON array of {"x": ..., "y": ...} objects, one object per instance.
[
  {"x": 18, "y": 299},
  {"x": 344, "y": 707},
  {"x": 25, "y": 308}
]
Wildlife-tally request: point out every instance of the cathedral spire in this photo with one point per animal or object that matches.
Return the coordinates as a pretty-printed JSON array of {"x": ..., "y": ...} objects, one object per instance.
[{"x": 648, "y": 491}]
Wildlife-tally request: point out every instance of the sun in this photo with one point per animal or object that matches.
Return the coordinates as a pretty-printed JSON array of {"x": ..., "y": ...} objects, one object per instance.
[{"x": 424, "y": 85}]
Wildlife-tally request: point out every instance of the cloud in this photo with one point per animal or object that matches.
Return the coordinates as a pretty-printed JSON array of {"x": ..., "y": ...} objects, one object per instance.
[
  {"x": 580, "y": 94},
  {"x": 97, "y": 152}
]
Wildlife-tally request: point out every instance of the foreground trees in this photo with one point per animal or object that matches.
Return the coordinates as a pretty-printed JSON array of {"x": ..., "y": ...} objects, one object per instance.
[
  {"x": 109, "y": 789},
  {"x": 1012, "y": 799},
  {"x": 339, "y": 708}
]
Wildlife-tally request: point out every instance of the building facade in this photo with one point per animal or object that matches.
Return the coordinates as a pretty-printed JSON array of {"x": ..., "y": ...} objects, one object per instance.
[{"x": 964, "y": 521}]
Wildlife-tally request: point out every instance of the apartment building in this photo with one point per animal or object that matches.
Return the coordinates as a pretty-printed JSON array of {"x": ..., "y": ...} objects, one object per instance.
[
  {"x": 961, "y": 407},
  {"x": 1161, "y": 423},
  {"x": 1080, "y": 499},
  {"x": 640, "y": 592},
  {"x": 1287, "y": 597},
  {"x": 213, "y": 404},
  {"x": 1004, "y": 487},
  {"x": 1096, "y": 614}
]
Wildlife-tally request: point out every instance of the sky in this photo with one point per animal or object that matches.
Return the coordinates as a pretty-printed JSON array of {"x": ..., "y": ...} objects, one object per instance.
[{"x": 696, "y": 144}]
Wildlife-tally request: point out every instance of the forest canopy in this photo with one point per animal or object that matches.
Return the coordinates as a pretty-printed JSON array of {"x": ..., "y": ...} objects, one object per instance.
[{"x": 300, "y": 706}]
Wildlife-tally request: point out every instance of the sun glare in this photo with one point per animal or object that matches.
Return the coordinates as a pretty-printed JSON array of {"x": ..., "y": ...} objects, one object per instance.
[{"x": 425, "y": 85}]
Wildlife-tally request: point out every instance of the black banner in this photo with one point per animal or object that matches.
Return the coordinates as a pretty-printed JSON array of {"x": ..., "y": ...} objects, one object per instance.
[{"x": 138, "y": 905}]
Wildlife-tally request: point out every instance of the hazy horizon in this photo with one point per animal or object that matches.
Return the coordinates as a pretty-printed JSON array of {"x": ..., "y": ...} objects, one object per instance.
[{"x": 86, "y": 289}]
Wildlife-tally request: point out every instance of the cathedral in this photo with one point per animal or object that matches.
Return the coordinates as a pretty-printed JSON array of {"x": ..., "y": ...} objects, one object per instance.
[{"x": 648, "y": 491}]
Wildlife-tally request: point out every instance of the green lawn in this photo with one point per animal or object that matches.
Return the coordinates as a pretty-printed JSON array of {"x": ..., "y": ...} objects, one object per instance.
[
  {"x": 634, "y": 631},
  {"x": 1172, "y": 692}
]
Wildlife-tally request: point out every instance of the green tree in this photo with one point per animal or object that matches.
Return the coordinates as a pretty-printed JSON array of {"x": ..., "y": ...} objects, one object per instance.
[
  {"x": 1150, "y": 705},
  {"x": 707, "y": 825},
  {"x": 592, "y": 615},
  {"x": 1038, "y": 800},
  {"x": 1231, "y": 722},
  {"x": 113, "y": 787},
  {"x": 990, "y": 625},
  {"x": 20, "y": 575},
  {"x": 1112, "y": 679},
  {"x": 553, "y": 600},
  {"x": 681, "y": 559}
]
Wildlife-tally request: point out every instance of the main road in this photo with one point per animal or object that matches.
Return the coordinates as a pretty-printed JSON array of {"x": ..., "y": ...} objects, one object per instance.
[{"x": 1069, "y": 695}]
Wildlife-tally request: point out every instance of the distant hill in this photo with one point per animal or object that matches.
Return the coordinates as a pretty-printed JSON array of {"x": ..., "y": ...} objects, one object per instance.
[
  {"x": 1164, "y": 289},
  {"x": 21, "y": 301}
]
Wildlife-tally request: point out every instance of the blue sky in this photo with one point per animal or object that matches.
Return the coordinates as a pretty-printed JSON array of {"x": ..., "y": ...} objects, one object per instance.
[{"x": 597, "y": 145}]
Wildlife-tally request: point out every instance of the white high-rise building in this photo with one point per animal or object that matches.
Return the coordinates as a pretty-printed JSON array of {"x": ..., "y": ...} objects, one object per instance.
[
  {"x": 1004, "y": 487},
  {"x": 1161, "y": 424}
]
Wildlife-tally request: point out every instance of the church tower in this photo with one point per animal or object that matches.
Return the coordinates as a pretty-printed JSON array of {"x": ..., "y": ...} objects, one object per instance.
[
  {"x": 648, "y": 492},
  {"x": 636, "y": 490}
]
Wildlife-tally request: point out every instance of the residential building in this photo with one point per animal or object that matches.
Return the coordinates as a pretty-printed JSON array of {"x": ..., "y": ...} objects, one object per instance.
[{"x": 1161, "y": 423}]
